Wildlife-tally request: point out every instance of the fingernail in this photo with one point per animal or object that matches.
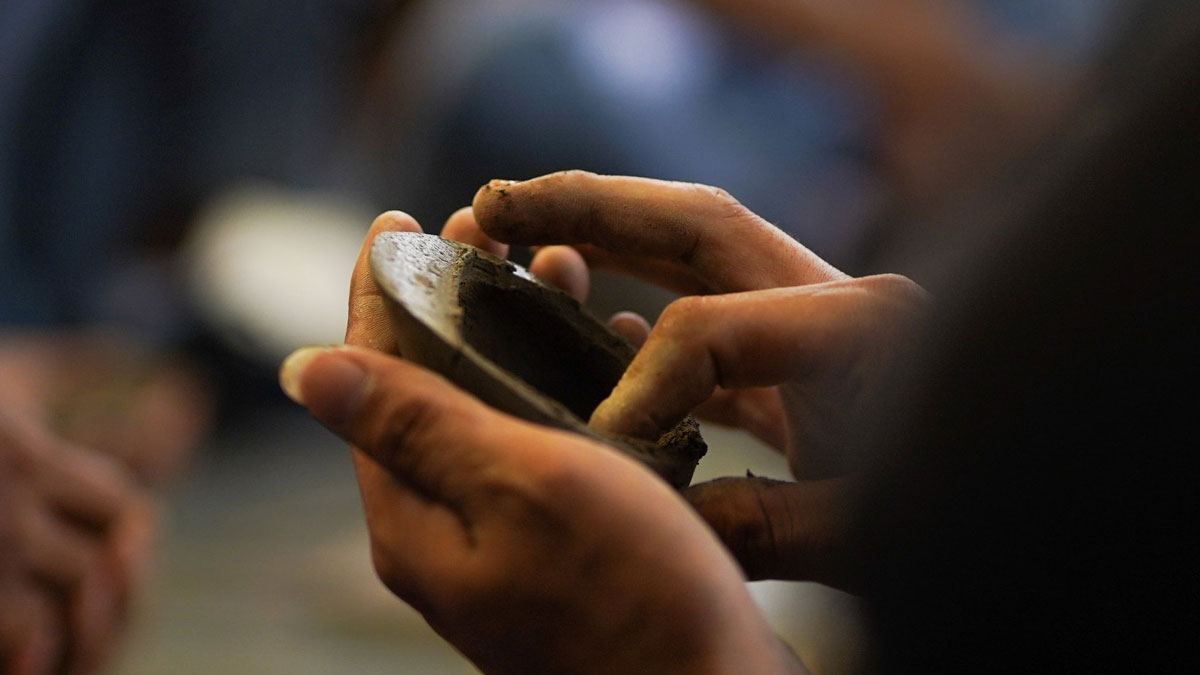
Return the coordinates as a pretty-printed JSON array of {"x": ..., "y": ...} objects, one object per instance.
[
  {"x": 326, "y": 381},
  {"x": 292, "y": 370}
]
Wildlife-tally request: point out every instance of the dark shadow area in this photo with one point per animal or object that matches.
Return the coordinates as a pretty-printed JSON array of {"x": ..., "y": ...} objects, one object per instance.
[{"x": 519, "y": 329}]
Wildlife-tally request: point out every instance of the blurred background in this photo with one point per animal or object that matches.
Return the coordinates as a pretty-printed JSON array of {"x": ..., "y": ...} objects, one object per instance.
[{"x": 184, "y": 187}]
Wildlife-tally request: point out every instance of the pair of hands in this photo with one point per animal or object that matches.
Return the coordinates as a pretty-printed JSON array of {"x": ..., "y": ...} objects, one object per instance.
[
  {"x": 536, "y": 550},
  {"x": 77, "y": 516}
]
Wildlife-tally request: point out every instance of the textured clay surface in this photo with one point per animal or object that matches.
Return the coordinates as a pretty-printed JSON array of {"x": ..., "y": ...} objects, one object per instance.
[{"x": 513, "y": 341}]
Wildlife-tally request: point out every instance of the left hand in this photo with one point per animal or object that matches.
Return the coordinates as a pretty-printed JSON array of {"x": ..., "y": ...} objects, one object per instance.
[{"x": 530, "y": 549}]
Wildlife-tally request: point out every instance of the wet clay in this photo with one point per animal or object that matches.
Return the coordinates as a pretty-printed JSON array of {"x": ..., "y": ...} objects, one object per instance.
[{"x": 515, "y": 342}]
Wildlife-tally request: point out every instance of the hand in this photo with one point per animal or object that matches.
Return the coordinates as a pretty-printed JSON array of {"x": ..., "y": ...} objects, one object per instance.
[
  {"x": 74, "y": 535},
  {"x": 774, "y": 315},
  {"x": 530, "y": 549},
  {"x": 954, "y": 96},
  {"x": 104, "y": 391}
]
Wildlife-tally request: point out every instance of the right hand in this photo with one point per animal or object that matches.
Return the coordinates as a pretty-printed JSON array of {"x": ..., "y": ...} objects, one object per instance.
[
  {"x": 763, "y": 312},
  {"x": 74, "y": 536}
]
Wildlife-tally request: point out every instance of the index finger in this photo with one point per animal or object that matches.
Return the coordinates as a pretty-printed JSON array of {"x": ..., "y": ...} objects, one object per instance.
[
  {"x": 702, "y": 229},
  {"x": 367, "y": 321}
]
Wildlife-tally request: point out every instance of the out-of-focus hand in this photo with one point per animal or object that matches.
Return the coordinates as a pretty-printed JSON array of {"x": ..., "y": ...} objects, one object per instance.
[
  {"x": 105, "y": 391},
  {"x": 768, "y": 327},
  {"x": 953, "y": 95},
  {"x": 530, "y": 549},
  {"x": 91, "y": 425},
  {"x": 74, "y": 536}
]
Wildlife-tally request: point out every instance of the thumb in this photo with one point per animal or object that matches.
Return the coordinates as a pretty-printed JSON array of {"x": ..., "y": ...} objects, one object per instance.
[
  {"x": 780, "y": 529},
  {"x": 420, "y": 427}
]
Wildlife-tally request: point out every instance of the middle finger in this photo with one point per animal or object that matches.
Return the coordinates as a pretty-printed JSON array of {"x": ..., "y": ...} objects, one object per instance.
[{"x": 698, "y": 227}]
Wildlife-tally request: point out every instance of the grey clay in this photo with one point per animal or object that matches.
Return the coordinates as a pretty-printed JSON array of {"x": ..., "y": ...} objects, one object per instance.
[{"x": 513, "y": 341}]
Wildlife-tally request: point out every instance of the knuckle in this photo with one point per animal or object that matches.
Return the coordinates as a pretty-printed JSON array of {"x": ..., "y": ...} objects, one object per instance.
[
  {"x": 739, "y": 518},
  {"x": 685, "y": 314},
  {"x": 725, "y": 204},
  {"x": 758, "y": 533},
  {"x": 539, "y": 487},
  {"x": 690, "y": 325},
  {"x": 540, "y": 496},
  {"x": 899, "y": 287}
]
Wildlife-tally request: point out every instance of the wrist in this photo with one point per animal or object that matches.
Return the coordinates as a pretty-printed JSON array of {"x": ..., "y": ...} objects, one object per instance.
[{"x": 741, "y": 642}]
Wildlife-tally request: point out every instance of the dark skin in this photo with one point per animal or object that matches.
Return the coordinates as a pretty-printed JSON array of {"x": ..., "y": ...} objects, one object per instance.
[
  {"x": 498, "y": 530},
  {"x": 954, "y": 96},
  {"x": 91, "y": 427},
  {"x": 75, "y": 532},
  {"x": 529, "y": 549},
  {"x": 786, "y": 347}
]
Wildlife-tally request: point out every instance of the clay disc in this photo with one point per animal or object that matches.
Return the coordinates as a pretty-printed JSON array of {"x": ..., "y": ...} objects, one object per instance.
[{"x": 515, "y": 342}]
